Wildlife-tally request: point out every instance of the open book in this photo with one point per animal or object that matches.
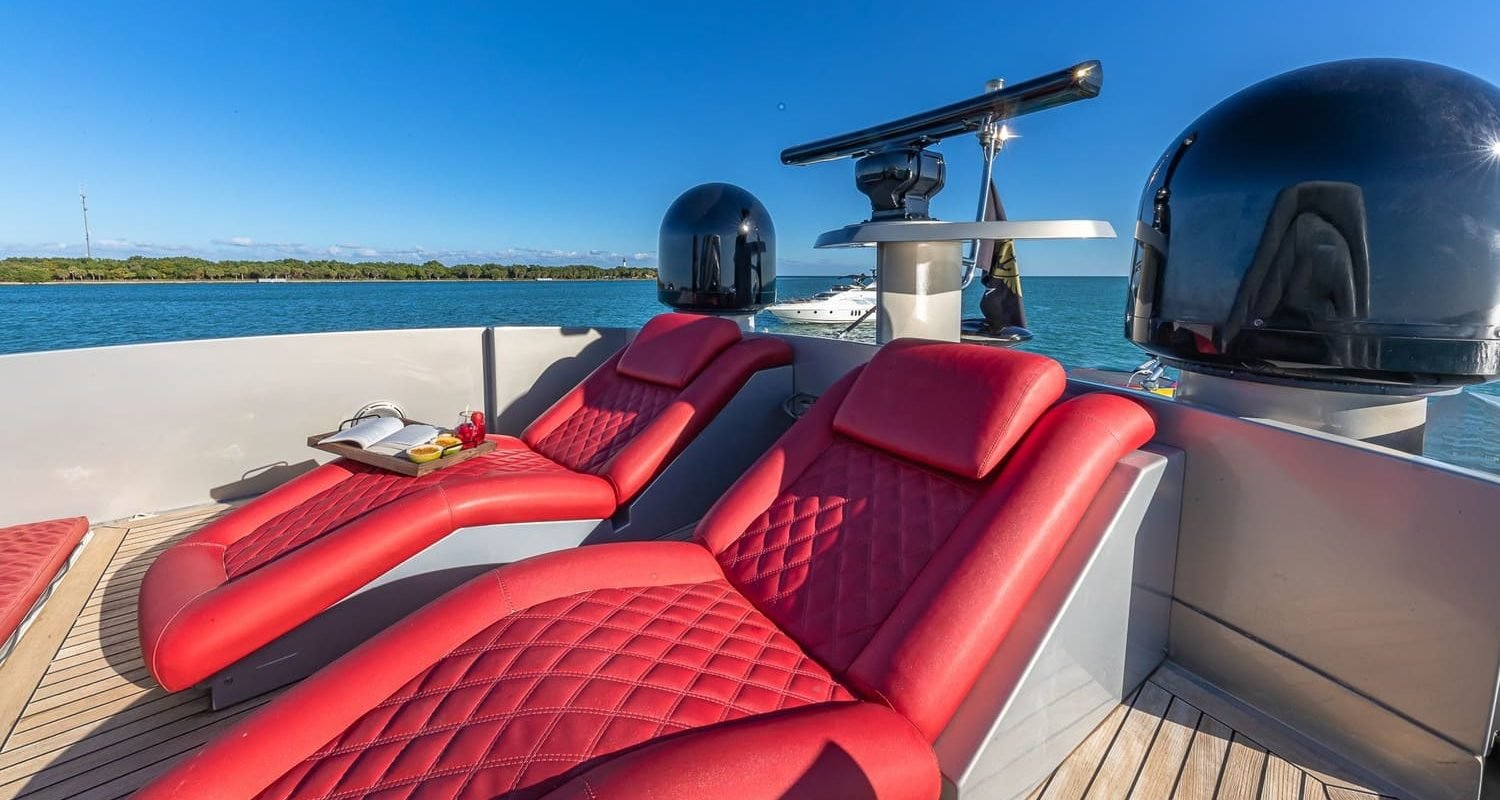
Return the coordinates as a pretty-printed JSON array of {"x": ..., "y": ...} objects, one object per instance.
[{"x": 386, "y": 435}]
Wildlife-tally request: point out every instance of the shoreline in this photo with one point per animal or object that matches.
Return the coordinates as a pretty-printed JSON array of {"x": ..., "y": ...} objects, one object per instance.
[{"x": 177, "y": 281}]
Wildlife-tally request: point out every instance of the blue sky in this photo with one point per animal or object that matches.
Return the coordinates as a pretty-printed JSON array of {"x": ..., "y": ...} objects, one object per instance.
[{"x": 559, "y": 132}]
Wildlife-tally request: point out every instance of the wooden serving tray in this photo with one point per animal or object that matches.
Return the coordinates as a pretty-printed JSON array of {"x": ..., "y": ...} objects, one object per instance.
[{"x": 398, "y": 464}]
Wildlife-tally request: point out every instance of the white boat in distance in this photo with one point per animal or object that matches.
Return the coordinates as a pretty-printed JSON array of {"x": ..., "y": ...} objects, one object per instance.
[{"x": 841, "y": 305}]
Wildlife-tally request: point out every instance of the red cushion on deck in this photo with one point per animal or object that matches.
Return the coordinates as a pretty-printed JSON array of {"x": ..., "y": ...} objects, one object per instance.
[
  {"x": 368, "y": 488},
  {"x": 541, "y": 673},
  {"x": 540, "y": 692},
  {"x": 836, "y": 538},
  {"x": 616, "y": 409},
  {"x": 954, "y": 615},
  {"x": 31, "y": 555},
  {"x": 993, "y": 394},
  {"x": 285, "y": 557},
  {"x": 672, "y": 349},
  {"x": 275, "y": 563},
  {"x": 625, "y": 429},
  {"x": 883, "y": 514},
  {"x": 839, "y": 602}
]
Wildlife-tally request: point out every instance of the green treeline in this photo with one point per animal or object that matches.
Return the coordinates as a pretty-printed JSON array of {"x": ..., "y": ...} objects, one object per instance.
[{"x": 140, "y": 268}]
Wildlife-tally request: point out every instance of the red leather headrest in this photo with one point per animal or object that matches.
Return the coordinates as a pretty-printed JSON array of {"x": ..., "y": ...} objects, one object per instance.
[
  {"x": 673, "y": 348},
  {"x": 957, "y": 407}
]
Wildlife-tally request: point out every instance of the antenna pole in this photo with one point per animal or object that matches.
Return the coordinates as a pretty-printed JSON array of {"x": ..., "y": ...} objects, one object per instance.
[{"x": 88, "y": 247}]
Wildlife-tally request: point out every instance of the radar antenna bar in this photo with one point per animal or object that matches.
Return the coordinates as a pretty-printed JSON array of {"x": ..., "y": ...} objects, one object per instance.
[{"x": 1078, "y": 82}]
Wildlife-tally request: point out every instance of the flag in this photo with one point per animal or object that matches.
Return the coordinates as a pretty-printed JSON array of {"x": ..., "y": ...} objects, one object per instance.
[{"x": 1001, "y": 305}]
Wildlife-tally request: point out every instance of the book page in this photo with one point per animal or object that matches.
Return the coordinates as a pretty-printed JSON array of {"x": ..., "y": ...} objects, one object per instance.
[
  {"x": 408, "y": 437},
  {"x": 366, "y": 432}
]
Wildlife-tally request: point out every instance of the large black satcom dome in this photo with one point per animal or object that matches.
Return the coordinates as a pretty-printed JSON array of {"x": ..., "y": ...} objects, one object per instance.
[
  {"x": 1337, "y": 223},
  {"x": 717, "y": 251}
]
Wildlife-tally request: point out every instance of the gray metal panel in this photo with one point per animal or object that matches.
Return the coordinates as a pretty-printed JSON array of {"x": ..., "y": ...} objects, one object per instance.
[
  {"x": 1389, "y": 420},
  {"x": 1094, "y": 630},
  {"x": 1415, "y": 762},
  {"x": 818, "y": 361},
  {"x": 156, "y": 426},
  {"x": 530, "y": 368},
  {"x": 1367, "y": 567}
]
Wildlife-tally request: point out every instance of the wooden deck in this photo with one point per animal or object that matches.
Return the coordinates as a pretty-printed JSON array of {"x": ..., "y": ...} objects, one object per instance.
[
  {"x": 81, "y": 718},
  {"x": 1159, "y": 745},
  {"x": 79, "y": 715}
]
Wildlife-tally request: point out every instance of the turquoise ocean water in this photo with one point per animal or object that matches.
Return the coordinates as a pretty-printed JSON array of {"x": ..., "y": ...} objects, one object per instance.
[{"x": 1076, "y": 320}]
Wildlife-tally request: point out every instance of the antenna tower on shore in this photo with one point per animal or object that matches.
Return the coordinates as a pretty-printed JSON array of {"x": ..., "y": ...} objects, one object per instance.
[{"x": 88, "y": 247}]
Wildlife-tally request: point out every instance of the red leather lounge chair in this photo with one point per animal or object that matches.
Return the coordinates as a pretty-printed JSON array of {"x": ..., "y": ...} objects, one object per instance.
[
  {"x": 835, "y": 608},
  {"x": 287, "y": 556}
]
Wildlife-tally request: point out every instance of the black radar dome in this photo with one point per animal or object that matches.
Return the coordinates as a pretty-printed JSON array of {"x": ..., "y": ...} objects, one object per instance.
[
  {"x": 1339, "y": 224},
  {"x": 717, "y": 251}
]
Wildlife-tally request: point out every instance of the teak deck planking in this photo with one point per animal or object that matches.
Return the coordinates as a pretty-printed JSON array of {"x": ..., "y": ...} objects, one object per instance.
[{"x": 1159, "y": 746}]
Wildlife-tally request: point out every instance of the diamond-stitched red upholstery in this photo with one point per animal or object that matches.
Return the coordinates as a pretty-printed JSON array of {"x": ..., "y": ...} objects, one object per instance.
[
  {"x": 275, "y": 563},
  {"x": 364, "y": 489},
  {"x": 908, "y": 604},
  {"x": 867, "y": 592},
  {"x": 624, "y": 425},
  {"x": 31, "y": 555},
  {"x": 560, "y": 684},
  {"x": 616, "y": 409},
  {"x": 832, "y": 555}
]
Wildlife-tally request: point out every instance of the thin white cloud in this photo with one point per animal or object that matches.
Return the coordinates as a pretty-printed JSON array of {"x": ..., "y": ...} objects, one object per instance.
[
  {"x": 246, "y": 241},
  {"x": 111, "y": 247}
]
